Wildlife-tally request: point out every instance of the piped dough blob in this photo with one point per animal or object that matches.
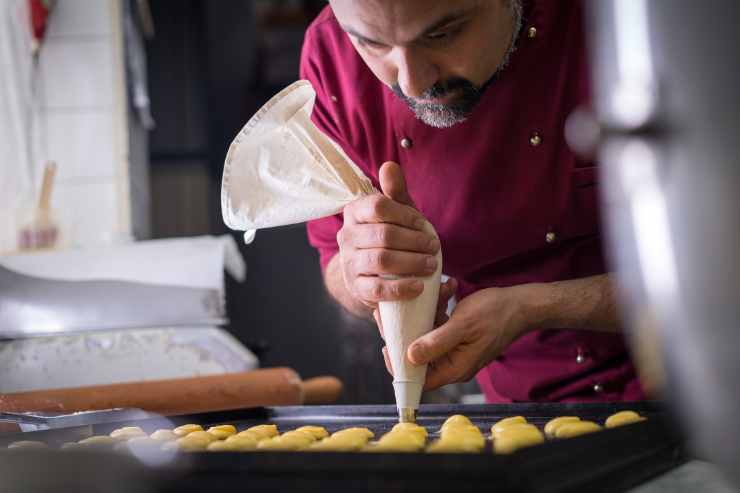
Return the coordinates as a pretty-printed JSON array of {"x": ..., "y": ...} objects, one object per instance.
[
  {"x": 623, "y": 418},
  {"x": 570, "y": 430},
  {"x": 552, "y": 426}
]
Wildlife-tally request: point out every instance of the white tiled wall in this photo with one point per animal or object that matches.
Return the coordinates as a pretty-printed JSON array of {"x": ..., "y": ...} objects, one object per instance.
[
  {"x": 83, "y": 121},
  {"x": 91, "y": 209},
  {"x": 77, "y": 73},
  {"x": 15, "y": 88},
  {"x": 81, "y": 142},
  {"x": 83, "y": 111},
  {"x": 82, "y": 18}
]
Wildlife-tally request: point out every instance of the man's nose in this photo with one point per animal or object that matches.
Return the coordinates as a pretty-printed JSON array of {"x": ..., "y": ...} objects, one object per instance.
[{"x": 416, "y": 74}]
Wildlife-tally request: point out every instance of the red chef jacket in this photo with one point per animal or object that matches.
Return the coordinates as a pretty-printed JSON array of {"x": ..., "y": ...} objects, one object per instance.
[{"x": 511, "y": 203}]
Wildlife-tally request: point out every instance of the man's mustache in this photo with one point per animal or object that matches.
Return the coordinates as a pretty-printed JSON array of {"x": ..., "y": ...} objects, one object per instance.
[{"x": 441, "y": 89}]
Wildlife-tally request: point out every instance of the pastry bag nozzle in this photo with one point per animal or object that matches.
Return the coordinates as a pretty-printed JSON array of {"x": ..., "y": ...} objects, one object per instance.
[
  {"x": 408, "y": 395},
  {"x": 406, "y": 415}
]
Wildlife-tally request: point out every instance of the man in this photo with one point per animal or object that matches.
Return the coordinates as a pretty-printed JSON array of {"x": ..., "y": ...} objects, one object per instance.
[{"x": 465, "y": 102}]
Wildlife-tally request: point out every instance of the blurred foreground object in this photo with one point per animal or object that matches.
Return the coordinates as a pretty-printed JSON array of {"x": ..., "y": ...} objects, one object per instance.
[{"x": 668, "y": 110}]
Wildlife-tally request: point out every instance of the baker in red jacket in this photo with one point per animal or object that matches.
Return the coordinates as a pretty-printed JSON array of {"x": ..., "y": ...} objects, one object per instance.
[{"x": 468, "y": 100}]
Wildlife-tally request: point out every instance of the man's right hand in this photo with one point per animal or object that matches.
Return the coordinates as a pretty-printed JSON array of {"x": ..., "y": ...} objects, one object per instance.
[{"x": 383, "y": 236}]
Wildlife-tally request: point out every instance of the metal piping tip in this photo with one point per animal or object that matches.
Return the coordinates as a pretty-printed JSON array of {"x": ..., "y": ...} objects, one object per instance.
[{"x": 407, "y": 415}]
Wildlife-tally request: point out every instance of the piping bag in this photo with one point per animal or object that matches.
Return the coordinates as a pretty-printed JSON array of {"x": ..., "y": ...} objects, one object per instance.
[{"x": 281, "y": 169}]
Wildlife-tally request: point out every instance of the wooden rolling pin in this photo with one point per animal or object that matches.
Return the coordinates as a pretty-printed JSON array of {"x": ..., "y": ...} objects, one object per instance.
[
  {"x": 263, "y": 387},
  {"x": 6, "y": 427},
  {"x": 321, "y": 390}
]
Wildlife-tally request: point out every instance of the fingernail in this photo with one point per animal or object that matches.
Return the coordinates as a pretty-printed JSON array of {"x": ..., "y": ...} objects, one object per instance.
[
  {"x": 434, "y": 245},
  {"x": 419, "y": 223},
  {"x": 431, "y": 264}
]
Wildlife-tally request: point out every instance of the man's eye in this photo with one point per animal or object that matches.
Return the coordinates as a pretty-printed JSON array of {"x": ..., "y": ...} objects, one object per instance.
[
  {"x": 437, "y": 36},
  {"x": 446, "y": 36},
  {"x": 369, "y": 43}
]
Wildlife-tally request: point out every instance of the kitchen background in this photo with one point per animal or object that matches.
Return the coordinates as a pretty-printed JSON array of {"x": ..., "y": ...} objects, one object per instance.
[{"x": 136, "y": 102}]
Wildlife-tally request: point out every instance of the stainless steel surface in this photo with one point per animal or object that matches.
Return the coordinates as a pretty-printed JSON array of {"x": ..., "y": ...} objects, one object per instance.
[
  {"x": 667, "y": 78},
  {"x": 407, "y": 415},
  {"x": 37, "y": 421},
  {"x": 114, "y": 356},
  {"x": 22, "y": 418},
  {"x": 31, "y": 306}
]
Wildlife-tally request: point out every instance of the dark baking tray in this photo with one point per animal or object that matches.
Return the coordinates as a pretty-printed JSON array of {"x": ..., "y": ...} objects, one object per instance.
[{"x": 612, "y": 460}]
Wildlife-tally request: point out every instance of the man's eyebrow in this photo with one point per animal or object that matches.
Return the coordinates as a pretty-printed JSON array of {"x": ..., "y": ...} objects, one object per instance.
[
  {"x": 444, "y": 21},
  {"x": 447, "y": 19},
  {"x": 359, "y": 36}
]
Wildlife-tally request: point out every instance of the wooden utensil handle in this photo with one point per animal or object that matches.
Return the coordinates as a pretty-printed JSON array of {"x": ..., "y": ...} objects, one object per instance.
[
  {"x": 47, "y": 185},
  {"x": 263, "y": 387},
  {"x": 321, "y": 390}
]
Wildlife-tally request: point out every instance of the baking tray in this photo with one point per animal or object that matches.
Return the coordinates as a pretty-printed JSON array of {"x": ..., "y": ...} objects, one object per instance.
[{"x": 611, "y": 460}]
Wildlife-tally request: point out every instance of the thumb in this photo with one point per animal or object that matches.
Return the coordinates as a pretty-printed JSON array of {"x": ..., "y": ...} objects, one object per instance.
[
  {"x": 436, "y": 343},
  {"x": 393, "y": 184}
]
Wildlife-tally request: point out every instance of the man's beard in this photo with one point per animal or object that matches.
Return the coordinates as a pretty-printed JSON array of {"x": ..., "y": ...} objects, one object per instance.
[
  {"x": 465, "y": 94},
  {"x": 466, "y": 97}
]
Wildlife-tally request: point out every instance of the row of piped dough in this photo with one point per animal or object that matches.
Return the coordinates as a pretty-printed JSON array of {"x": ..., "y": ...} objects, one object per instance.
[
  {"x": 511, "y": 434},
  {"x": 457, "y": 435}
]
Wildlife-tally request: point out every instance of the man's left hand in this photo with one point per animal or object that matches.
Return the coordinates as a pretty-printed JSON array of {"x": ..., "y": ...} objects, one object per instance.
[{"x": 480, "y": 328}]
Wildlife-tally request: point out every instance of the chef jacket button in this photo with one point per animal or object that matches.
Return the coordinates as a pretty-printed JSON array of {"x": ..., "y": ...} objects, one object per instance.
[
  {"x": 406, "y": 143},
  {"x": 598, "y": 388},
  {"x": 535, "y": 139},
  {"x": 550, "y": 237},
  {"x": 334, "y": 98},
  {"x": 580, "y": 356},
  {"x": 532, "y": 32}
]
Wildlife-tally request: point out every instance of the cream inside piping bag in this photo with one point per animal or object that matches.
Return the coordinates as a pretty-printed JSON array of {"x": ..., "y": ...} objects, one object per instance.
[{"x": 281, "y": 169}]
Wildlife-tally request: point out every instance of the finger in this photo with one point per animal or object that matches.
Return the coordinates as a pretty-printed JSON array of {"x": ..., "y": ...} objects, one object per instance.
[
  {"x": 375, "y": 261},
  {"x": 387, "y": 359},
  {"x": 378, "y": 208},
  {"x": 393, "y": 237},
  {"x": 446, "y": 291},
  {"x": 374, "y": 289},
  {"x": 393, "y": 183},
  {"x": 376, "y": 316},
  {"x": 450, "y": 287},
  {"x": 441, "y": 311},
  {"x": 436, "y": 343},
  {"x": 459, "y": 365},
  {"x": 441, "y": 318},
  {"x": 444, "y": 371}
]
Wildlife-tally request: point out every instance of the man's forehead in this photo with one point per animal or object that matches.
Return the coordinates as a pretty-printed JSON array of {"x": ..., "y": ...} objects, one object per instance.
[{"x": 398, "y": 21}]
